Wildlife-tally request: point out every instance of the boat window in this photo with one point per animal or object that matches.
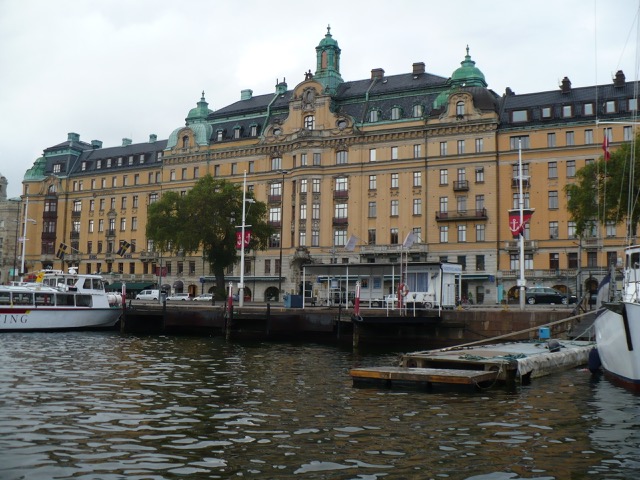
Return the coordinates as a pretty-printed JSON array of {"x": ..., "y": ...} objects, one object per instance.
[
  {"x": 98, "y": 285},
  {"x": 65, "y": 300},
  {"x": 635, "y": 260},
  {"x": 5, "y": 298},
  {"x": 83, "y": 300},
  {"x": 87, "y": 284},
  {"x": 22, "y": 298},
  {"x": 44, "y": 299}
]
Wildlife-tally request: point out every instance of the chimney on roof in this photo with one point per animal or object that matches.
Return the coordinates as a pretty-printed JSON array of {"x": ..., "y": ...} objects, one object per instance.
[
  {"x": 619, "y": 80},
  {"x": 73, "y": 137},
  {"x": 508, "y": 92},
  {"x": 246, "y": 94},
  {"x": 281, "y": 87},
  {"x": 377, "y": 73},
  {"x": 126, "y": 141},
  {"x": 565, "y": 86},
  {"x": 418, "y": 68},
  {"x": 152, "y": 138},
  {"x": 96, "y": 144}
]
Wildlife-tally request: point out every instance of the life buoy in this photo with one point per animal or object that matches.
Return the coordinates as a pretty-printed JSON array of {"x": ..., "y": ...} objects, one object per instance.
[{"x": 403, "y": 289}]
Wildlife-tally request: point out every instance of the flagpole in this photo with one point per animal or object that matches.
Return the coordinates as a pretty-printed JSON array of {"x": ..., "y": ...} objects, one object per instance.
[
  {"x": 522, "y": 281},
  {"x": 241, "y": 286},
  {"x": 24, "y": 237}
]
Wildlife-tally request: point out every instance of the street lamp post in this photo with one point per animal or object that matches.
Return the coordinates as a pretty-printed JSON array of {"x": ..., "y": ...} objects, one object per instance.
[
  {"x": 283, "y": 172},
  {"x": 242, "y": 240}
]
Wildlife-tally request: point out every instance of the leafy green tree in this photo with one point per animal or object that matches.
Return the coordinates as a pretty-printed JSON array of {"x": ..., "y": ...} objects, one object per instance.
[
  {"x": 602, "y": 191},
  {"x": 205, "y": 220}
]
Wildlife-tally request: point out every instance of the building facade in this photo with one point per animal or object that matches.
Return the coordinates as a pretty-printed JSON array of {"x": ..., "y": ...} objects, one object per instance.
[
  {"x": 9, "y": 234},
  {"x": 417, "y": 159}
]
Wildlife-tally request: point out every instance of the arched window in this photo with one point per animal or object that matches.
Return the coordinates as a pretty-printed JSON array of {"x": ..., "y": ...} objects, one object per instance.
[
  {"x": 460, "y": 109},
  {"x": 309, "y": 122},
  {"x": 185, "y": 142},
  {"x": 417, "y": 111},
  {"x": 396, "y": 113},
  {"x": 374, "y": 116}
]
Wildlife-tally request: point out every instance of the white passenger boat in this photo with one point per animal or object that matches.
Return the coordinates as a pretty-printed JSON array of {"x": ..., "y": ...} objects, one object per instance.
[
  {"x": 617, "y": 327},
  {"x": 58, "y": 301}
]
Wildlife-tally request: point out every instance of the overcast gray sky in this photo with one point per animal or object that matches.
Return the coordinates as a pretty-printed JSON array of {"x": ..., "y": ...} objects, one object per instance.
[{"x": 110, "y": 69}]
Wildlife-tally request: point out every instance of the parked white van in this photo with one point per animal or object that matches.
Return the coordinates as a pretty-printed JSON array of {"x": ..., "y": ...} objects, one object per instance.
[{"x": 148, "y": 295}]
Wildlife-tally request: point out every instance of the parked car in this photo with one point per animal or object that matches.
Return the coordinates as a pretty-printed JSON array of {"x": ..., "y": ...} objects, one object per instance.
[
  {"x": 547, "y": 295},
  {"x": 205, "y": 297},
  {"x": 148, "y": 295},
  {"x": 178, "y": 297}
]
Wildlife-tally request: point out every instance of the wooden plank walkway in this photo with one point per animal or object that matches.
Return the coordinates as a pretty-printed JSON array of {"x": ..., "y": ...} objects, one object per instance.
[{"x": 427, "y": 375}]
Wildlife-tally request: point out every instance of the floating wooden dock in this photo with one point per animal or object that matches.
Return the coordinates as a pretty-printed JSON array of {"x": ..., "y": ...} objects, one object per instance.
[{"x": 479, "y": 366}]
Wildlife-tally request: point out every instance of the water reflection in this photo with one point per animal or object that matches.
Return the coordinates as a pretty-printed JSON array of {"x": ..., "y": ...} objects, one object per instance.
[{"x": 102, "y": 405}]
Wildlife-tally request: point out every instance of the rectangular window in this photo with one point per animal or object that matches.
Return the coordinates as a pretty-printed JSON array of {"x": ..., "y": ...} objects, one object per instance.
[
  {"x": 588, "y": 137},
  {"x": 123, "y": 203},
  {"x": 276, "y": 163},
  {"x": 371, "y": 236},
  {"x": 444, "y": 204},
  {"x": 303, "y": 160},
  {"x": 553, "y": 199},
  {"x": 317, "y": 159},
  {"x": 372, "y": 210},
  {"x": 519, "y": 116},
  {"x": 610, "y": 229},
  {"x": 395, "y": 208},
  {"x": 303, "y": 185},
  {"x": 546, "y": 112},
  {"x": 444, "y": 176},
  {"x": 592, "y": 259},
  {"x": 610, "y": 107},
  {"x": 479, "y": 203},
  {"x": 552, "y": 170},
  {"x": 627, "y": 134},
  {"x": 519, "y": 142},
  {"x": 267, "y": 266},
  {"x": 633, "y": 104},
  {"x": 444, "y": 234},
  {"x": 372, "y": 154},
  {"x": 551, "y": 140},
  {"x": 553, "y": 230},
  {"x": 134, "y": 224},
  {"x": 462, "y": 233},
  {"x": 443, "y": 149},
  {"x": 417, "y": 179},
  {"x": 554, "y": 261},
  {"x": 479, "y": 145},
  {"x": 479, "y": 174},
  {"x": 315, "y": 211},
  {"x": 341, "y": 157},
  {"x": 571, "y": 229},
  {"x": 393, "y": 236},
  {"x": 339, "y": 238},
  {"x": 303, "y": 211},
  {"x": 340, "y": 210},
  {"x": 461, "y": 203},
  {"x": 394, "y": 153},
  {"x": 567, "y": 111},
  {"x": 315, "y": 185},
  {"x": 570, "y": 139},
  {"x": 571, "y": 168},
  {"x": 417, "y": 151},
  {"x": 460, "y": 147},
  {"x": 394, "y": 180},
  {"x": 315, "y": 238},
  {"x": 588, "y": 108},
  {"x": 480, "y": 231}
]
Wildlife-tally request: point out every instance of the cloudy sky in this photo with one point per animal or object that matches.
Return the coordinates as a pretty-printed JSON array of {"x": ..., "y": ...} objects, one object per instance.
[{"x": 110, "y": 69}]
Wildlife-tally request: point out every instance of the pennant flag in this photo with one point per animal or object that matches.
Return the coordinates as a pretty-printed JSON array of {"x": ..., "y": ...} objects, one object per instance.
[
  {"x": 409, "y": 240},
  {"x": 351, "y": 243},
  {"x": 124, "y": 245},
  {"x": 247, "y": 238},
  {"x": 62, "y": 249},
  {"x": 605, "y": 148},
  {"x": 516, "y": 227}
]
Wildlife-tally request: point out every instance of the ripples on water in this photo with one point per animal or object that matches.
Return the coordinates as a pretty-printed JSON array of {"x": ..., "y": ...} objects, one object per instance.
[{"x": 106, "y": 406}]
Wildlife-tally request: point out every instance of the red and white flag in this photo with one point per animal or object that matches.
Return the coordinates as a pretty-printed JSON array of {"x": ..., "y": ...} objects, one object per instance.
[
  {"x": 605, "y": 148},
  {"x": 517, "y": 227}
]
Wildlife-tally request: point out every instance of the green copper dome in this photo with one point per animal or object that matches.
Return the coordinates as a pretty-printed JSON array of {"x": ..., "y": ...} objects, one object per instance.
[
  {"x": 200, "y": 113},
  {"x": 468, "y": 74},
  {"x": 328, "y": 40}
]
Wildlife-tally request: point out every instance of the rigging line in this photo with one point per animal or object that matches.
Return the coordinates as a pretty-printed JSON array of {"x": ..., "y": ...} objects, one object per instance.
[{"x": 634, "y": 115}]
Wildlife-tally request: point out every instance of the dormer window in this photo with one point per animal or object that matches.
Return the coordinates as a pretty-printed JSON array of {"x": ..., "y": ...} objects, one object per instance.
[
  {"x": 98, "y": 164},
  {"x": 416, "y": 111},
  {"x": 57, "y": 168},
  {"x": 219, "y": 136},
  {"x": 374, "y": 116},
  {"x": 633, "y": 104},
  {"x": 460, "y": 109},
  {"x": 309, "y": 122},
  {"x": 610, "y": 107},
  {"x": 519, "y": 116},
  {"x": 185, "y": 142},
  {"x": 546, "y": 112},
  {"x": 567, "y": 111},
  {"x": 588, "y": 108},
  {"x": 396, "y": 113},
  {"x": 236, "y": 132},
  {"x": 254, "y": 130}
]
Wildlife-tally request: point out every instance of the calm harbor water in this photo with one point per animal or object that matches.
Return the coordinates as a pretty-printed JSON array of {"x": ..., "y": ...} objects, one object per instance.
[{"x": 110, "y": 406}]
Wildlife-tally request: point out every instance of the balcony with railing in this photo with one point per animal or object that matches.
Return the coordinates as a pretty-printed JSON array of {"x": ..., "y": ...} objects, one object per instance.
[
  {"x": 392, "y": 249},
  {"x": 275, "y": 223},
  {"x": 341, "y": 194},
  {"x": 146, "y": 256},
  {"x": 75, "y": 235},
  {"x": 274, "y": 198},
  {"x": 110, "y": 233},
  {"x": 340, "y": 221},
  {"x": 480, "y": 214},
  {"x": 526, "y": 182},
  {"x": 76, "y": 214},
  {"x": 461, "y": 186}
]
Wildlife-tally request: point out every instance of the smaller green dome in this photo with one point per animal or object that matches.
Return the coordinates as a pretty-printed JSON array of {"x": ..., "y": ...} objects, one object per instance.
[
  {"x": 328, "y": 40},
  {"x": 468, "y": 74},
  {"x": 199, "y": 113}
]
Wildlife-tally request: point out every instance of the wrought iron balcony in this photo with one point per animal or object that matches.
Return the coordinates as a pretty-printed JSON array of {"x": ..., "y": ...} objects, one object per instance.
[
  {"x": 480, "y": 214},
  {"x": 461, "y": 186}
]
